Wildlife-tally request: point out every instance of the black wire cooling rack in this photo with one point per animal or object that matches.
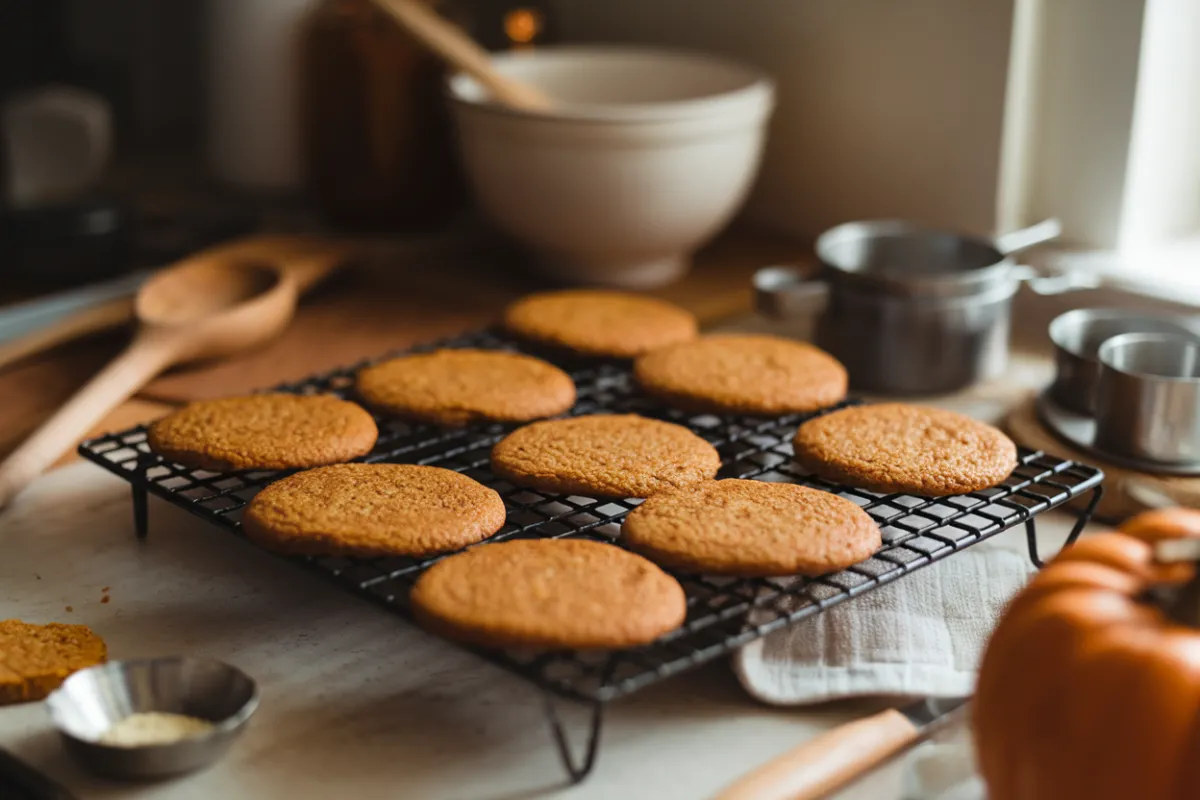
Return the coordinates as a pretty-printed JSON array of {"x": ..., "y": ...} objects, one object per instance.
[{"x": 916, "y": 530}]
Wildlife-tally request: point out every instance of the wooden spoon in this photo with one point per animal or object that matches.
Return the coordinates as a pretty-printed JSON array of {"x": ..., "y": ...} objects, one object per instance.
[
  {"x": 449, "y": 42},
  {"x": 197, "y": 309},
  {"x": 309, "y": 258}
]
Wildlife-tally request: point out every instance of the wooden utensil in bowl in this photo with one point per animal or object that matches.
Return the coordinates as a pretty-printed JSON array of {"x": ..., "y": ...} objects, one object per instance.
[
  {"x": 201, "y": 308},
  {"x": 460, "y": 51}
]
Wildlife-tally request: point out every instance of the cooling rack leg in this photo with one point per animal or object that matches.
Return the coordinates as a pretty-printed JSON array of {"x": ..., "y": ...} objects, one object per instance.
[
  {"x": 140, "y": 522},
  {"x": 1084, "y": 518},
  {"x": 577, "y": 772},
  {"x": 1031, "y": 538}
]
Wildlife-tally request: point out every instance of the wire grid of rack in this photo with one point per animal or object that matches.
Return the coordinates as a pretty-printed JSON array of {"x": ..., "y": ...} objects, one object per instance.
[{"x": 723, "y": 614}]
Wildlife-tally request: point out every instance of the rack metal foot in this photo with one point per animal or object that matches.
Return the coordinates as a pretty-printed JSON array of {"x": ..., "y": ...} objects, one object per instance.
[
  {"x": 1084, "y": 518},
  {"x": 576, "y": 770},
  {"x": 140, "y": 514}
]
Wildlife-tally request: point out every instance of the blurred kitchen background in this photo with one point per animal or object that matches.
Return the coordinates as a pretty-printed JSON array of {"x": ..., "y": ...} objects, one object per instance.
[{"x": 168, "y": 124}]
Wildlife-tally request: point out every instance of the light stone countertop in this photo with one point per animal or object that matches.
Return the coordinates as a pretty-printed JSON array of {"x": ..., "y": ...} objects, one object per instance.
[{"x": 356, "y": 703}]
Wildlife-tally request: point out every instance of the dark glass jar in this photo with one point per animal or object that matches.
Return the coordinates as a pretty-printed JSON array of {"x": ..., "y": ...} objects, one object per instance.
[{"x": 378, "y": 144}]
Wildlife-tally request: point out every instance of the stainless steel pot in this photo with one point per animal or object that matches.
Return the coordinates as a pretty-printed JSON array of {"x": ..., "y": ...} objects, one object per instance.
[{"x": 910, "y": 310}]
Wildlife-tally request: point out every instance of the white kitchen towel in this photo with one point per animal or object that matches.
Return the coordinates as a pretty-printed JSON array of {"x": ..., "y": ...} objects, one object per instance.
[{"x": 920, "y": 635}]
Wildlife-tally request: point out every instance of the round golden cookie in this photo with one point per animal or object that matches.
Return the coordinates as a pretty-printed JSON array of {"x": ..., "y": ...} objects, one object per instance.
[
  {"x": 751, "y": 529},
  {"x": 264, "y": 431},
  {"x": 743, "y": 373},
  {"x": 457, "y": 387},
  {"x": 371, "y": 510},
  {"x": 893, "y": 447},
  {"x": 557, "y": 594},
  {"x": 604, "y": 455},
  {"x": 36, "y": 659},
  {"x": 599, "y": 323}
]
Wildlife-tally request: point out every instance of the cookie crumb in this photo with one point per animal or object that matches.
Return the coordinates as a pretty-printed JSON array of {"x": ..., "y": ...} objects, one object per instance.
[
  {"x": 105, "y": 599},
  {"x": 70, "y": 609}
]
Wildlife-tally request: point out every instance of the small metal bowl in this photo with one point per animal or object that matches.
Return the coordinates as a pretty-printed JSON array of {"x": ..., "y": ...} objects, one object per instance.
[
  {"x": 1077, "y": 336},
  {"x": 91, "y": 701}
]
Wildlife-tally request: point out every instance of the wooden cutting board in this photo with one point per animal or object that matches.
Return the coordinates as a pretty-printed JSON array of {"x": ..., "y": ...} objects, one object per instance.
[{"x": 365, "y": 312}]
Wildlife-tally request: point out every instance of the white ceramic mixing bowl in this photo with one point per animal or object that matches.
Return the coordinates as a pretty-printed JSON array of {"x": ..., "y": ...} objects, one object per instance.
[{"x": 646, "y": 154}]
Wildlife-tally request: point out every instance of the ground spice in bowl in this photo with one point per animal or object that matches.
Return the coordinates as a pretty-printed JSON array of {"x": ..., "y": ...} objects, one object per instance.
[{"x": 154, "y": 728}]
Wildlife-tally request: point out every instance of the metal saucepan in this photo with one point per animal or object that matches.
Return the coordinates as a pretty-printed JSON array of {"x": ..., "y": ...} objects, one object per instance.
[
  {"x": 1077, "y": 336},
  {"x": 910, "y": 310}
]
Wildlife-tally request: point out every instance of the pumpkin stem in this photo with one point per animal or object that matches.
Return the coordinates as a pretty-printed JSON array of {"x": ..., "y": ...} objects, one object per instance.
[{"x": 1181, "y": 603}]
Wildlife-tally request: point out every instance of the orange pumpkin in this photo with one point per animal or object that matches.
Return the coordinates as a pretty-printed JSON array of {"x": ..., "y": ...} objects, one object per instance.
[{"x": 1088, "y": 688}]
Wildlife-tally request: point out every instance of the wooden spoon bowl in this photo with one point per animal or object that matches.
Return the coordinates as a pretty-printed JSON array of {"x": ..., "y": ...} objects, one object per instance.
[
  {"x": 216, "y": 308},
  {"x": 201, "y": 308}
]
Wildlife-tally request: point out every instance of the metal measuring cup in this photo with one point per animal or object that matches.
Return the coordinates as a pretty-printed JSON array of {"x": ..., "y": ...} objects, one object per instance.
[{"x": 1148, "y": 397}]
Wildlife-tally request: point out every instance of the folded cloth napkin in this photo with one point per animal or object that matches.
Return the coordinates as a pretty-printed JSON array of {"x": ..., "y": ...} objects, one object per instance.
[{"x": 922, "y": 635}]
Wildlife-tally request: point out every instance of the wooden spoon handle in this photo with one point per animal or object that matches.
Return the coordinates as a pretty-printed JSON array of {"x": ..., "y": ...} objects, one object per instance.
[
  {"x": 448, "y": 41},
  {"x": 828, "y": 762},
  {"x": 149, "y": 354}
]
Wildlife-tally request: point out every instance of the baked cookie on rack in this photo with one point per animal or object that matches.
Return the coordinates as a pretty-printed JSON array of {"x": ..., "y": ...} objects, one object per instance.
[
  {"x": 604, "y": 455},
  {"x": 599, "y": 323},
  {"x": 373, "y": 510},
  {"x": 556, "y": 594},
  {"x": 454, "y": 388},
  {"x": 751, "y": 529},
  {"x": 742, "y": 374},
  {"x": 264, "y": 431},
  {"x": 894, "y": 448}
]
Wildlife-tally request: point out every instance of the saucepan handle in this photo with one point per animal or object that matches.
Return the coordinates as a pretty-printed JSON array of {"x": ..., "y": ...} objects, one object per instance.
[
  {"x": 785, "y": 293},
  {"x": 1048, "y": 281},
  {"x": 1015, "y": 241}
]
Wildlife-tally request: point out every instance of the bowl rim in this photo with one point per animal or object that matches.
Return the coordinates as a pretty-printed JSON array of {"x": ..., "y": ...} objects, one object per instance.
[
  {"x": 229, "y": 724},
  {"x": 1140, "y": 337},
  {"x": 1061, "y": 327},
  {"x": 759, "y": 88}
]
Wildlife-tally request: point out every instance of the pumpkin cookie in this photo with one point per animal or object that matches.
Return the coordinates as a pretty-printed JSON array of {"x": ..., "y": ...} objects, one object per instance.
[
  {"x": 264, "y": 431},
  {"x": 745, "y": 374},
  {"x": 457, "y": 387},
  {"x": 599, "y": 323},
  {"x": 372, "y": 510},
  {"x": 604, "y": 456},
  {"x": 558, "y": 594},
  {"x": 751, "y": 529},
  {"x": 36, "y": 659},
  {"x": 892, "y": 447}
]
